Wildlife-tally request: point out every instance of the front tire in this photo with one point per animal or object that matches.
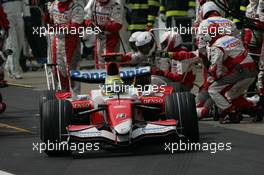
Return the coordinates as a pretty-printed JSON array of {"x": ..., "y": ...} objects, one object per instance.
[
  {"x": 181, "y": 107},
  {"x": 56, "y": 116}
]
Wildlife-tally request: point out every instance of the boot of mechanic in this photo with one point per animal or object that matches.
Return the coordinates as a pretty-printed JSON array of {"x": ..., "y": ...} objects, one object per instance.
[
  {"x": 241, "y": 106},
  {"x": 229, "y": 116}
]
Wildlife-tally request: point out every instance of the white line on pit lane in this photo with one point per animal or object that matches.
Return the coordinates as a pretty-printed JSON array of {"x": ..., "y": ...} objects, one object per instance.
[{"x": 5, "y": 173}]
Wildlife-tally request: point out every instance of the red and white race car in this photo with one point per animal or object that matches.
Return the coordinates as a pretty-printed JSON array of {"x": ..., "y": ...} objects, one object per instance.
[{"x": 120, "y": 116}]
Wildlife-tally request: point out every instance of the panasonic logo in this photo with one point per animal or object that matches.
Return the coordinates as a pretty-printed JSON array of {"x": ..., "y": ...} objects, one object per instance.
[{"x": 101, "y": 74}]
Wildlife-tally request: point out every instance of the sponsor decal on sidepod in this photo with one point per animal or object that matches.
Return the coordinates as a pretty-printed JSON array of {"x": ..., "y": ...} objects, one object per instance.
[{"x": 101, "y": 74}]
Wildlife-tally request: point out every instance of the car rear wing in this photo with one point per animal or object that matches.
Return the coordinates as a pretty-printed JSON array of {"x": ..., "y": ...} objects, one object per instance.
[{"x": 98, "y": 75}]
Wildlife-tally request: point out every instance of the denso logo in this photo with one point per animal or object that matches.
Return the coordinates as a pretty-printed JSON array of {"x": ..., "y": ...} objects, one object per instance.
[
  {"x": 101, "y": 74},
  {"x": 153, "y": 101}
]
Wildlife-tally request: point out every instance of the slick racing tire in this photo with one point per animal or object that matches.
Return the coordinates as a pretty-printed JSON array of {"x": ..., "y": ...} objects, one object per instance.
[
  {"x": 44, "y": 96},
  {"x": 181, "y": 107},
  {"x": 159, "y": 80},
  {"x": 56, "y": 115}
]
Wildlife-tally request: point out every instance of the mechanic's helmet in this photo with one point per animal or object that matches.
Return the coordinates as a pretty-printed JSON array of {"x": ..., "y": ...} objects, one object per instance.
[
  {"x": 170, "y": 40},
  {"x": 210, "y": 7},
  {"x": 146, "y": 43},
  {"x": 132, "y": 40}
]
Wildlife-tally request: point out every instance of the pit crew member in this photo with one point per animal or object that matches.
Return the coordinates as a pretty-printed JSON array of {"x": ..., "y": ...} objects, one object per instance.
[
  {"x": 66, "y": 15},
  {"x": 14, "y": 10},
  {"x": 181, "y": 66},
  {"x": 230, "y": 74},
  {"x": 210, "y": 13},
  {"x": 108, "y": 16}
]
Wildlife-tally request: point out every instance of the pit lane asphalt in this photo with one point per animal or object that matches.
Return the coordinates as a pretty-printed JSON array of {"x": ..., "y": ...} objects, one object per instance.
[{"x": 19, "y": 128}]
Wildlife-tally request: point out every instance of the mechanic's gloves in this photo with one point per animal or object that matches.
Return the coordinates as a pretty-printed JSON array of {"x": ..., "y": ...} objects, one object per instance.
[
  {"x": 182, "y": 55},
  {"x": 173, "y": 76}
]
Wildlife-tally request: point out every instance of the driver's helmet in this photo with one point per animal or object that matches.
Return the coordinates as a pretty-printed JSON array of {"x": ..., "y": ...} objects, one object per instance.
[
  {"x": 170, "y": 40},
  {"x": 146, "y": 43},
  {"x": 132, "y": 40},
  {"x": 113, "y": 85}
]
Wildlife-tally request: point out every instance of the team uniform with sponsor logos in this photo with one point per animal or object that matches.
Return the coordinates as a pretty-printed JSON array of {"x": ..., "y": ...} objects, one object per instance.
[
  {"x": 109, "y": 18},
  {"x": 64, "y": 44},
  {"x": 226, "y": 27},
  {"x": 231, "y": 72},
  {"x": 203, "y": 100}
]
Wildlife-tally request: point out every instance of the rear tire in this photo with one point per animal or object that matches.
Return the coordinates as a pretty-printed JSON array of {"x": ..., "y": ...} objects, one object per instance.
[
  {"x": 56, "y": 116},
  {"x": 181, "y": 107}
]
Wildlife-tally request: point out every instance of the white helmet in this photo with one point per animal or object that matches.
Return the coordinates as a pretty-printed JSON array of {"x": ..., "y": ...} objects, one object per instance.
[
  {"x": 132, "y": 40},
  {"x": 146, "y": 43},
  {"x": 209, "y": 7},
  {"x": 170, "y": 40}
]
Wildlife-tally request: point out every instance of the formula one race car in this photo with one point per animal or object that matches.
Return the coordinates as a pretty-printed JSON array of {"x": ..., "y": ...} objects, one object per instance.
[{"x": 117, "y": 114}]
